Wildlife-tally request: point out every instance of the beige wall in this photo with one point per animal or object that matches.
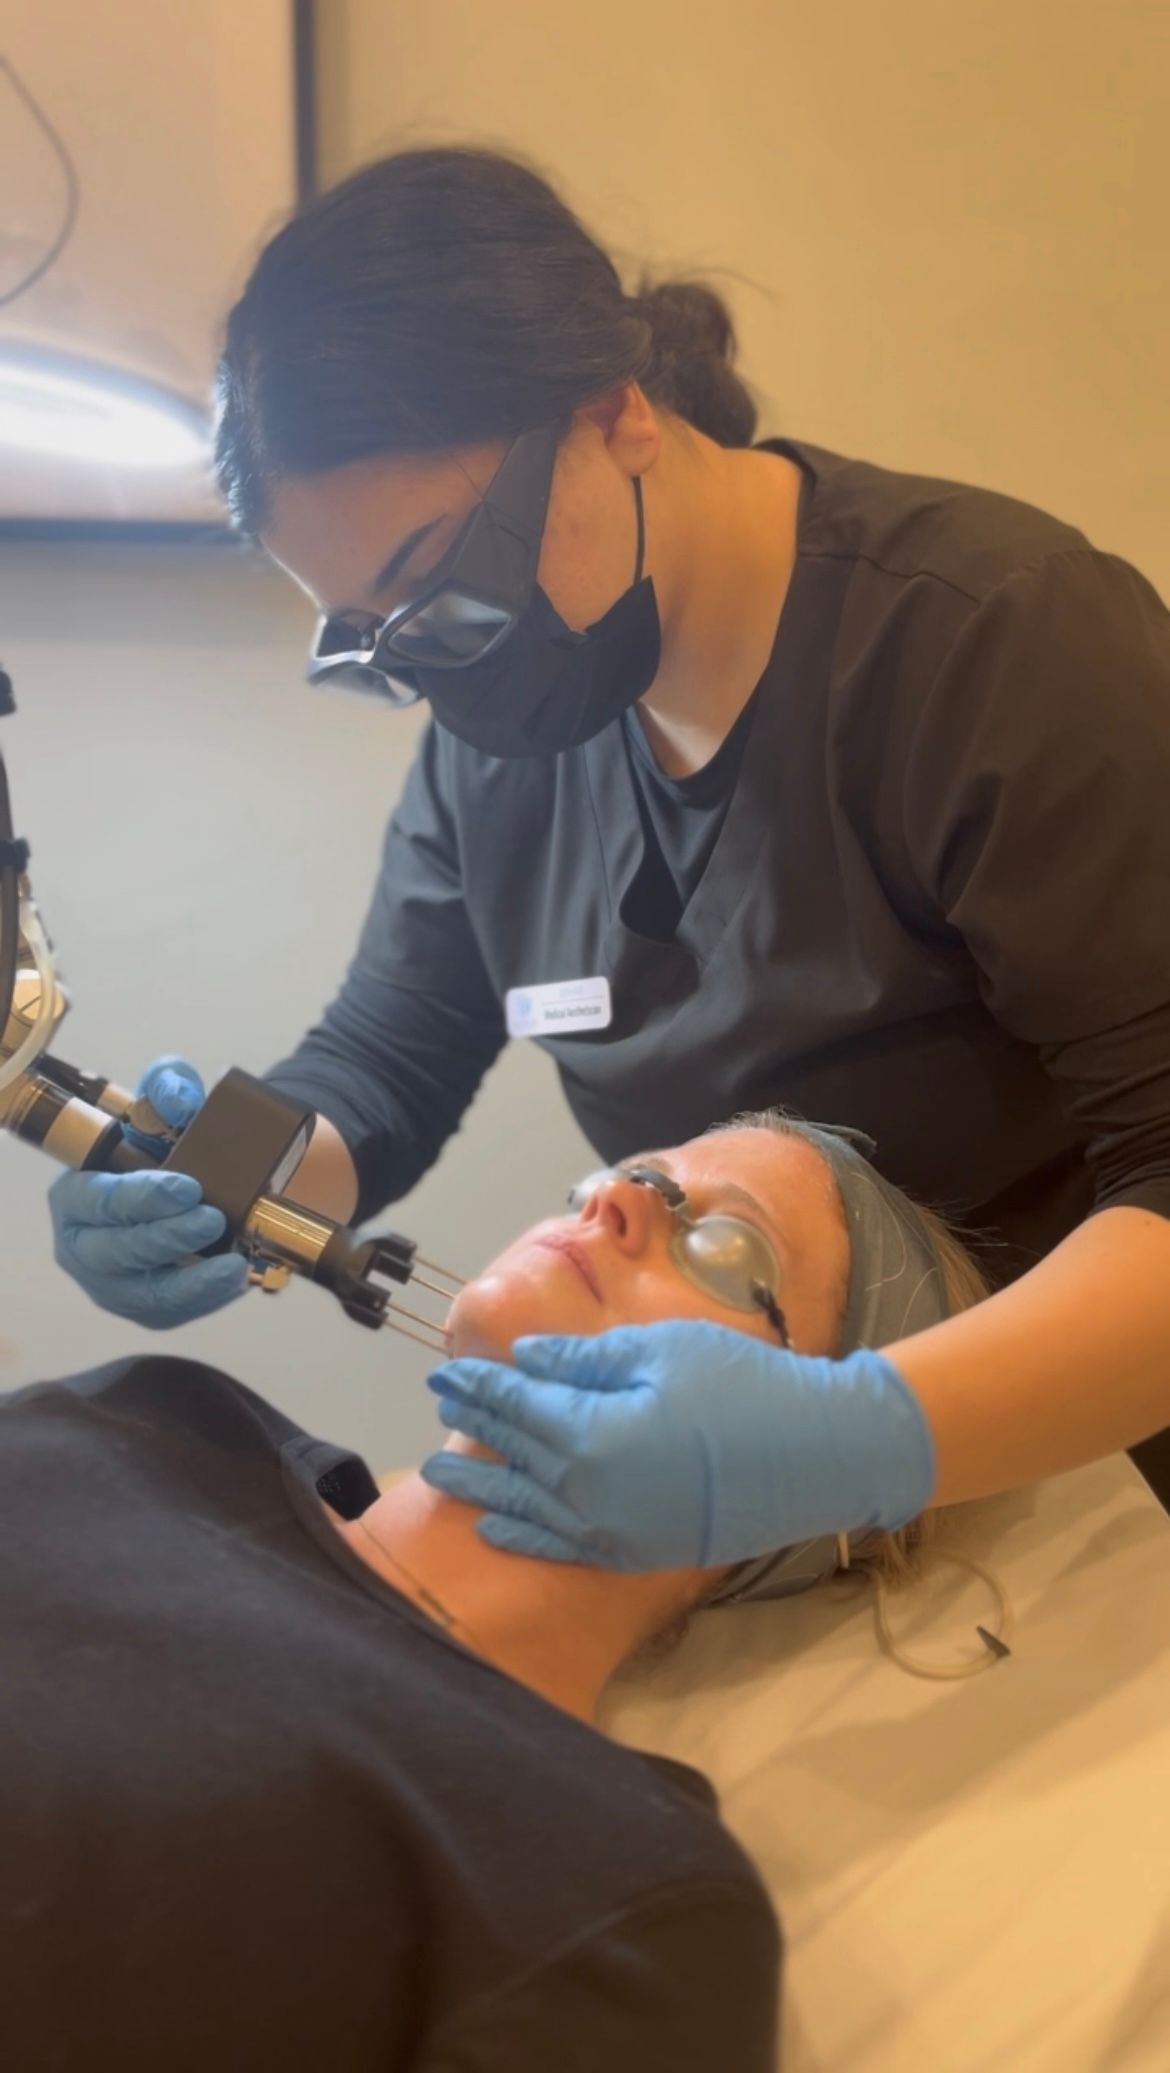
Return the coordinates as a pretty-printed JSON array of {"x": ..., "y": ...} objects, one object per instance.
[{"x": 951, "y": 222}]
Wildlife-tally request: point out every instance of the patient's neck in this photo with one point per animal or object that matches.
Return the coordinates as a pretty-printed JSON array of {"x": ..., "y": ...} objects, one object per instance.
[{"x": 560, "y": 1628}]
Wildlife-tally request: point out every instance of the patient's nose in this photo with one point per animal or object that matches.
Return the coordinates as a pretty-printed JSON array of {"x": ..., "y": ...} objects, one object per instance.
[{"x": 625, "y": 1210}]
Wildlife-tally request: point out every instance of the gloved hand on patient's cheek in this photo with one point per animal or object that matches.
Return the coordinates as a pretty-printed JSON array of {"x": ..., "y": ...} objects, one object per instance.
[{"x": 680, "y": 1444}]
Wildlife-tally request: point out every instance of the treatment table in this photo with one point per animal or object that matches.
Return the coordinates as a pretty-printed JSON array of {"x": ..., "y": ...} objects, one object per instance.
[{"x": 971, "y": 1876}]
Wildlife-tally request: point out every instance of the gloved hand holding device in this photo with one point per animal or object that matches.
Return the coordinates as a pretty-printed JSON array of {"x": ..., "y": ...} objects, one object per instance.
[{"x": 128, "y": 1239}]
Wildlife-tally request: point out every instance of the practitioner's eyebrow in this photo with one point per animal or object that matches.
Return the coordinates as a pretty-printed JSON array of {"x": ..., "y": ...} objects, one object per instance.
[{"x": 402, "y": 555}]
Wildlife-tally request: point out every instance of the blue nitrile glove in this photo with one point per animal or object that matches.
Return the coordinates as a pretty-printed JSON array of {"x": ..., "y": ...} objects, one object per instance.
[
  {"x": 122, "y": 1236},
  {"x": 679, "y": 1445},
  {"x": 175, "y": 1093}
]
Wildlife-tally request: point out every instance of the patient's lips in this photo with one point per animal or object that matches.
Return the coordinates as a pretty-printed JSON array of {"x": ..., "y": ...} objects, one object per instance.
[{"x": 558, "y": 1241}]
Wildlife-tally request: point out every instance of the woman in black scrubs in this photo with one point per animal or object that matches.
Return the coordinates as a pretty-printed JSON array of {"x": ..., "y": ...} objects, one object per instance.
[{"x": 757, "y": 775}]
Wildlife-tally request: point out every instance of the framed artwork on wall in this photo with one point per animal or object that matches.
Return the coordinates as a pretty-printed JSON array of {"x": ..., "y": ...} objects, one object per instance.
[{"x": 146, "y": 153}]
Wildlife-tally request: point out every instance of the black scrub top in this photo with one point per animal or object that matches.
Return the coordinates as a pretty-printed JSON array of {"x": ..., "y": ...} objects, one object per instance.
[{"x": 931, "y": 902}]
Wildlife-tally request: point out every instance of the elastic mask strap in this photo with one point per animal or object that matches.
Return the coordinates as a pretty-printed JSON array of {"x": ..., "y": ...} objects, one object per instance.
[{"x": 641, "y": 529}]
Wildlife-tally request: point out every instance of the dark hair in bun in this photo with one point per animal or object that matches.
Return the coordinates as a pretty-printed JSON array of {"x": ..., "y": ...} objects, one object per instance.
[{"x": 439, "y": 298}]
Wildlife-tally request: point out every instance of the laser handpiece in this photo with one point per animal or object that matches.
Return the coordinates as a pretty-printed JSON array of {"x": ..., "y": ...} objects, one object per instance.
[{"x": 243, "y": 1146}]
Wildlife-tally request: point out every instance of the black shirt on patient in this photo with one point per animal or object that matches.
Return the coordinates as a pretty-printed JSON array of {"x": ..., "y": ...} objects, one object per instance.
[{"x": 258, "y": 1811}]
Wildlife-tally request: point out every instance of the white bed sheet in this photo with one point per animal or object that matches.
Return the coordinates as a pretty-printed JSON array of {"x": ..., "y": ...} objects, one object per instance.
[{"x": 971, "y": 1875}]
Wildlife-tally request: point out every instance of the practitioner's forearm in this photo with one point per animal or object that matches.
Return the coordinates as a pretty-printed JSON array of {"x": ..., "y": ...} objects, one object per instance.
[
  {"x": 1070, "y": 1363},
  {"x": 326, "y": 1179}
]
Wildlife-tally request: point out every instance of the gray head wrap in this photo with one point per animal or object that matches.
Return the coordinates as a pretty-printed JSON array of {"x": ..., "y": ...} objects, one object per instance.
[{"x": 896, "y": 1287}]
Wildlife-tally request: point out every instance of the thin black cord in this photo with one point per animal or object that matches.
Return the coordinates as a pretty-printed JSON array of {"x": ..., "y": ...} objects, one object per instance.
[
  {"x": 72, "y": 188},
  {"x": 766, "y": 1301}
]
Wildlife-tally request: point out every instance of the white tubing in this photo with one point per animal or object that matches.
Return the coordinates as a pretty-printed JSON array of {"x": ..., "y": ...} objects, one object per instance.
[{"x": 34, "y": 1043}]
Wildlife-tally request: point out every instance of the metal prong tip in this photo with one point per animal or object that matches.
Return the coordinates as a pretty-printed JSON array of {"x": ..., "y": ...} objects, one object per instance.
[
  {"x": 392, "y": 1322},
  {"x": 420, "y": 1281},
  {"x": 997, "y": 1647},
  {"x": 444, "y": 1271}
]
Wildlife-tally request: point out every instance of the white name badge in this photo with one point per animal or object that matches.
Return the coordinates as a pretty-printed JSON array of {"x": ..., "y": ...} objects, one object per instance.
[{"x": 563, "y": 1008}]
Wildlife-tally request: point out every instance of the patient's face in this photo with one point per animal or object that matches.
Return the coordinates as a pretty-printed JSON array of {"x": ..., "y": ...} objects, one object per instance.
[{"x": 610, "y": 1263}]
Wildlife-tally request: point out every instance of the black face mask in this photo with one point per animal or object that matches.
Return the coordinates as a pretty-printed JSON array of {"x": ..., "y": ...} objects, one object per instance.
[
  {"x": 549, "y": 688},
  {"x": 508, "y": 675}
]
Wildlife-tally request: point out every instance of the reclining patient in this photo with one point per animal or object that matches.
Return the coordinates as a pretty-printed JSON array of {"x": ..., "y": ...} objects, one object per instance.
[{"x": 300, "y": 1774}]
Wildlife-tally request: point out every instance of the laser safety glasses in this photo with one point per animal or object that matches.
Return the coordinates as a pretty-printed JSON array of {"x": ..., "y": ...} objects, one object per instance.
[
  {"x": 723, "y": 1255},
  {"x": 470, "y": 600}
]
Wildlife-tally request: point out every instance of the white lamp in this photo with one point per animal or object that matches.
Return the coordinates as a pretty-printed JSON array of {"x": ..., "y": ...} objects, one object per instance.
[{"x": 75, "y": 408}]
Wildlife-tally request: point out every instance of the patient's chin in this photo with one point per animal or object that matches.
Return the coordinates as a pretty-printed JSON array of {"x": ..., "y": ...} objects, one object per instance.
[
  {"x": 476, "y": 1344},
  {"x": 483, "y": 1322},
  {"x": 527, "y": 1296},
  {"x": 528, "y": 1288}
]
